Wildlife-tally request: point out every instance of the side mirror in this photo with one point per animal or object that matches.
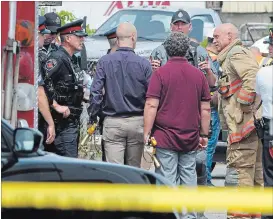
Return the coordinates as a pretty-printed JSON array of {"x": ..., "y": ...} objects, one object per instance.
[{"x": 27, "y": 140}]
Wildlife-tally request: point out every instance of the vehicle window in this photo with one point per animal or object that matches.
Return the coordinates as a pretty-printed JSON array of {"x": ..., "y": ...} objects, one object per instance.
[
  {"x": 206, "y": 18},
  {"x": 157, "y": 23},
  {"x": 4, "y": 144}
]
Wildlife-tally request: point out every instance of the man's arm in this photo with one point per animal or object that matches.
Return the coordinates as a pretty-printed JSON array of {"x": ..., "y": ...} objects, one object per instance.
[
  {"x": 205, "y": 118},
  {"x": 205, "y": 108},
  {"x": 246, "y": 68},
  {"x": 45, "y": 111},
  {"x": 97, "y": 91},
  {"x": 207, "y": 65},
  {"x": 152, "y": 103},
  {"x": 150, "y": 111}
]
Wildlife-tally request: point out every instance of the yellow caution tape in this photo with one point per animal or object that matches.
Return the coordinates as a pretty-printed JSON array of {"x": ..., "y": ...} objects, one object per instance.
[{"x": 123, "y": 197}]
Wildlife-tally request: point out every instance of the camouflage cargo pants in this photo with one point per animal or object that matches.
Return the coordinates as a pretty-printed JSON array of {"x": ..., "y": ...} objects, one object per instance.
[{"x": 244, "y": 166}]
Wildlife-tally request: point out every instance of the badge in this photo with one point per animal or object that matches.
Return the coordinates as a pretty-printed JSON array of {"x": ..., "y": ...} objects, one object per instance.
[
  {"x": 180, "y": 14},
  {"x": 58, "y": 21},
  {"x": 50, "y": 64}
]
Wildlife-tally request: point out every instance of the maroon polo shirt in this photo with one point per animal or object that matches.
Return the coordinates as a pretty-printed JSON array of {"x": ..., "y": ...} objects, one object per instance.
[{"x": 180, "y": 88}]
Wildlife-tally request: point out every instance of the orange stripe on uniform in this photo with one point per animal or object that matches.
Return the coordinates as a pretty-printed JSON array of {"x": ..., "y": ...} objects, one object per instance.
[
  {"x": 246, "y": 97},
  {"x": 227, "y": 91},
  {"x": 246, "y": 130}
]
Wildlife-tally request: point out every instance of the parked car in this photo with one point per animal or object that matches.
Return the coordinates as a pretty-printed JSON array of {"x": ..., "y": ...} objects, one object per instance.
[{"x": 22, "y": 160}]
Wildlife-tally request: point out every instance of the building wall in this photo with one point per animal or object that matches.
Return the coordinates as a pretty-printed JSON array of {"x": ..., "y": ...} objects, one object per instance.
[
  {"x": 242, "y": 18},
  {"x": 247, "y": 7}
]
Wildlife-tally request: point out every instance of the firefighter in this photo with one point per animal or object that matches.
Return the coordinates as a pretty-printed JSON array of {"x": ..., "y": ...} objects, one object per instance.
[
  {"x": 269, "y": 42},
  {"x": 63, "y": 79},
  {"x": 262, "y": 61},
  {"x": 238, "y": 103},
  {"x": 44, "y": 111}
]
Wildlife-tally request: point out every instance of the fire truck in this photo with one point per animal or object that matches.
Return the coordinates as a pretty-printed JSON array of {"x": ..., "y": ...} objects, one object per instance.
[{"x": 19, "y": 63}]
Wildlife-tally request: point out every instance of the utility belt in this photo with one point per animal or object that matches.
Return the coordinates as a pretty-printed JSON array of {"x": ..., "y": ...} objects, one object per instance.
[
  {"x": 75, "y": 114},
  {"x": 263, "y": 126}
]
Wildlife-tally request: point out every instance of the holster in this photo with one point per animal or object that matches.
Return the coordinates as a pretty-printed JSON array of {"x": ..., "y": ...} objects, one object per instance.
[{"x": 259, "y": 125}]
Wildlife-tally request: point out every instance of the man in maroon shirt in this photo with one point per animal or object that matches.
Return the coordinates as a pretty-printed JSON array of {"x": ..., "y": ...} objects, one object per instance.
[{"x": 177, "y": 113}]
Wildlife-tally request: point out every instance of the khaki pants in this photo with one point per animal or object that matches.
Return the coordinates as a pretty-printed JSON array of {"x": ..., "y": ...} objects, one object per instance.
[
  {"x": 244, "y": 166},
  {"x": 123, "y": 140}
]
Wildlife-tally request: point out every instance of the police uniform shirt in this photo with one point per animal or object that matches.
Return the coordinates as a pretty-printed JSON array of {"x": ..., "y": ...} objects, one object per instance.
[{"x": 264, "y": 87}]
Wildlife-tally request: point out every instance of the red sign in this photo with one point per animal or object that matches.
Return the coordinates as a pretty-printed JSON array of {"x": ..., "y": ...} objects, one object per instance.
[{"x": 120, "y": 5}]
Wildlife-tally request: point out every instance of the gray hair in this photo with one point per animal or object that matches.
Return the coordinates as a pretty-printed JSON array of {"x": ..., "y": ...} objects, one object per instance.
[{"x": 177, "y": 44}]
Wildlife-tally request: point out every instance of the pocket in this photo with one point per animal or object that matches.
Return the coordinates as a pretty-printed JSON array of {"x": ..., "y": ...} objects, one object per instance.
[{"x": 238, "y": 115}]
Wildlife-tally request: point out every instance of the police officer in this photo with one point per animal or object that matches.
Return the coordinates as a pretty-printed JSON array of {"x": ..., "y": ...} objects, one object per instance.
[
  {"x": 66, "y": 84},
  {"x": 112, "y": 39},
  {"x": 53, "y": 22},
  {"x": 197, "y": 55},
  {"x": 45, "y": 117}
]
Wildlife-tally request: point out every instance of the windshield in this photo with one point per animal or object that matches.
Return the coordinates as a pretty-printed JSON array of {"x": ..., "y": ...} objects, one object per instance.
[{"x": 157, "y": 23}]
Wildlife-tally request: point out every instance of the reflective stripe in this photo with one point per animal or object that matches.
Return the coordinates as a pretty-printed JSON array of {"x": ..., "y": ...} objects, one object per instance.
[
  {"x": 246, "y": 97},
  {"x": 227, "y": 91},
  {"x": 265, "y": 61},
  {"x": 246, "y": 130}
]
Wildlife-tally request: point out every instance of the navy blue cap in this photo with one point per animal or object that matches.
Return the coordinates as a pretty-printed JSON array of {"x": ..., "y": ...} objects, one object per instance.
[
  {"x": 42, "y": 27},
  {"x": 181, "y": 15},
  {"x": 53, "y": 21},
  {"x": 110, "y": 34},
  {"x": 74, "y": 27}
]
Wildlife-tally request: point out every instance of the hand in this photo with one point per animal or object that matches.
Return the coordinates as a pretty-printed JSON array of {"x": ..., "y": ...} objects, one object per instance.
[
  {"x": 93, "y": 119},
  {"x": 203, "y": 142},
  {"x": 63, "y": 110},
  {"x": 246, "y": 108},
  {"x": 50, "y": 134},
  {"x": 146, "y": 139},
  {"x": 155, "y": 64},
  {"x": 205, "y": 66}
]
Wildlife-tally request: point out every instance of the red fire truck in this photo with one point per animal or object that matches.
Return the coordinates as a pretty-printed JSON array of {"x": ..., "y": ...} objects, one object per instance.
[{"x": 19, "y": 62}]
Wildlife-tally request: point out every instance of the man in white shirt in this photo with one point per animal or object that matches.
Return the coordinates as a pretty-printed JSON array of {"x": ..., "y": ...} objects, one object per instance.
[{"x": 264, "y": 87}]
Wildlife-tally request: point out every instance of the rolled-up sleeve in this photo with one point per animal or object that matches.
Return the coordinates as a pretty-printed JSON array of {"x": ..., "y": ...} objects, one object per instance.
[{"x": 96, "y": 90}]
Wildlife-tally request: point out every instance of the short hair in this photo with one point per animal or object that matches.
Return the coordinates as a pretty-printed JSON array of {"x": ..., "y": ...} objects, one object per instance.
[
  {"x": 112, "y": 42},
  {"x": 177, "y": 44}
]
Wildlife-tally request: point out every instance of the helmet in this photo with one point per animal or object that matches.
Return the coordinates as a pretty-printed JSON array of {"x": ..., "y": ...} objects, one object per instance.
[{"x": 209, "y": 32}]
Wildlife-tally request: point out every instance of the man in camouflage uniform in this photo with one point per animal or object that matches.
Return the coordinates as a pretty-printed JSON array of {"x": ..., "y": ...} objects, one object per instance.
[
  {"x": 64, "y": 81},
  {"x": 237, "y": 103},
  {"x": 197, "y": 55}
]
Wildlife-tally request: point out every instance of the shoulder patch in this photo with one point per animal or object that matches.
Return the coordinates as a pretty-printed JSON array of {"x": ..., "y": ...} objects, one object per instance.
[{"x": 50, "y": 64}]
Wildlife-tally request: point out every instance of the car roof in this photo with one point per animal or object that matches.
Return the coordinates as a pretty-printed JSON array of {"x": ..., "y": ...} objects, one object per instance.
[{"x": 47, "y": 157}]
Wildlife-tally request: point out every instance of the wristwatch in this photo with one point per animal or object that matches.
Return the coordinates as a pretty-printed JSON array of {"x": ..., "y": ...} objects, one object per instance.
[{"x": 204, "y": 136}]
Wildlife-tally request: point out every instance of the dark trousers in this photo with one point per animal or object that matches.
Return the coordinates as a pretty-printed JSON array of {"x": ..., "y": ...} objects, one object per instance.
[
  {"x": 67, "y": 138},
  {"x": 267, "y": 160}
]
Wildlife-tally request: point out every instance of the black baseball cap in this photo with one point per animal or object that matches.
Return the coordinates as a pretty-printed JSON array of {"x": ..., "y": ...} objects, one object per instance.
[
  {"x": 53, "y": 21},
  {"x": 181, "y": 15}
]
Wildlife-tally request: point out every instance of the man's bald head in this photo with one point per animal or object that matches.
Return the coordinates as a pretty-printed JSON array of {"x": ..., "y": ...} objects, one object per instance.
[
  {"x": 225, "y": 34},
  {"x": 126, "y": 35}
]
